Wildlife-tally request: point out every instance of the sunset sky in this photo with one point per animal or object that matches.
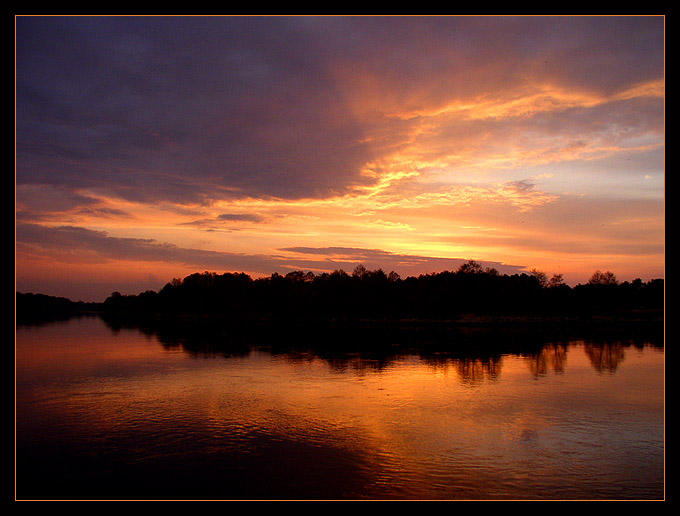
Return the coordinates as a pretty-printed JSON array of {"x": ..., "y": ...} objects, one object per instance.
[{"x": 150, "y": 148}]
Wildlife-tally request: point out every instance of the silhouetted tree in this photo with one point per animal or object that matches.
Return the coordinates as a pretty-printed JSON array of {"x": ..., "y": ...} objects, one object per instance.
[
  {"x": 603, "y": 278},
  {"x": 556, "y": 281},
  {"x": 540, "y": 276},
  {"x": 470, "y": 267},
  {"x": 359, "y": 271}
]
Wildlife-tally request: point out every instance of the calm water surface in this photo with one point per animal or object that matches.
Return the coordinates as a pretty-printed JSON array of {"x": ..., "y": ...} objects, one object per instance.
[{"x": 106, "y": 413}]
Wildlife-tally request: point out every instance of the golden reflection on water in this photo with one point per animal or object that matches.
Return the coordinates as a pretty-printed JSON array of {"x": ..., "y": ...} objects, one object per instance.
[
  {"x": 552, "y": 358},
  {"x": 607, "y": 357},
  {"x": 540, "y": 423}
]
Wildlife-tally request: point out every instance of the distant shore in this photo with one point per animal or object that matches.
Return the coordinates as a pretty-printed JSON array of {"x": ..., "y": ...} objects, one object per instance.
[{"x": 471, "y": 297}]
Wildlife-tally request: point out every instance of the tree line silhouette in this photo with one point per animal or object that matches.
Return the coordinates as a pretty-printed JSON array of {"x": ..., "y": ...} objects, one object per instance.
[
  {"x": 36, "y": 308},
  {"x": 365, "y": 293}
]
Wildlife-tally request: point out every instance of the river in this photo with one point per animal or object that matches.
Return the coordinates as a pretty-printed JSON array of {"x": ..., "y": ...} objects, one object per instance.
[{"x": 107, "y": 412}]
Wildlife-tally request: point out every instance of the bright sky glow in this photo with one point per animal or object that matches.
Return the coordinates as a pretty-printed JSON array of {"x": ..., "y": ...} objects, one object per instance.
[{"x": 149, "y": 148}]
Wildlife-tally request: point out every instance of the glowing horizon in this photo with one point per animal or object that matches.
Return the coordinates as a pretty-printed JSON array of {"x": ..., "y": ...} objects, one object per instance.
[{"x": 149, "y": 148}]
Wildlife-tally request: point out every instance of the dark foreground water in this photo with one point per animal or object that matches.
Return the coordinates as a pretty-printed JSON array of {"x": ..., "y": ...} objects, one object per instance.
[{"x": 114, "y": 413}]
